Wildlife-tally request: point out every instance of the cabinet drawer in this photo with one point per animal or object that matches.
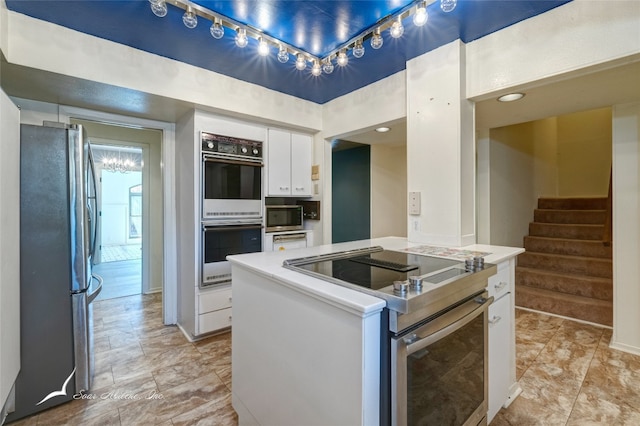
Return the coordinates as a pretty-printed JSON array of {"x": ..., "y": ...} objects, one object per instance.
[
  {"x": 213, "y": 321},
  {"x": 214, "y": 300},
  {"x": 499, "y": 283}
]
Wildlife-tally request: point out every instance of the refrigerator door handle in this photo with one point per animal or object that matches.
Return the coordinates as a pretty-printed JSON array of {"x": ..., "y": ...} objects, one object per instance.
[{"x": 97, "y": 290}]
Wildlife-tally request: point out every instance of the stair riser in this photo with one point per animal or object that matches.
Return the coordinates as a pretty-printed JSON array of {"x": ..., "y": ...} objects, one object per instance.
[
  {"x": 582, "y": 266},
  {"x": 597, "y": 314},
  {"x": 596, "y": 217},
  {"x": 567, "y": 247},
  {"x": 597, "y": 289},
  {"x": 573, "y": 203},
  {"x": 578, "y": 232}
]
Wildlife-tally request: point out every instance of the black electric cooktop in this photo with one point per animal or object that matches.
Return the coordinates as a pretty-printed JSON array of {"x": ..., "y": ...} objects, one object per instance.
[{"x": 380, "y": 269}]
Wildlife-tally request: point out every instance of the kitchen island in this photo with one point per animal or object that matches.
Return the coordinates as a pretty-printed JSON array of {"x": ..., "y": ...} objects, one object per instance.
[{"x": 307, "y": 351}]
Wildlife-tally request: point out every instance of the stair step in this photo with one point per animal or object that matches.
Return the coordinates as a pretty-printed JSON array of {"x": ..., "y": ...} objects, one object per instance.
[
  {"x": 589, "y": 266},
  {"x": 570, "y": 247},
  {"x": 582, "y": 203},
  {"x": 582, "y": 308},
  {"x": 570, "y": 216},
  {"x": 578, "y": 232},
  {"x": 594, "y": 287}
]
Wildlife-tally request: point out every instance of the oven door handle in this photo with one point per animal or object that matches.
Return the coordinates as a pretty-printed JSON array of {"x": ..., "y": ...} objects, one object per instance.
[
  {"x": 227, "y": 227},
  {"x": 415, "y": 343},
  {"x": 257, "y": 163}
]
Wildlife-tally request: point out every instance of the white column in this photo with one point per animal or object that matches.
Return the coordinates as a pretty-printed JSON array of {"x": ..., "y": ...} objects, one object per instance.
[
  {"x": 626, "y": 227},
  {"x": 441, "y": 148}
]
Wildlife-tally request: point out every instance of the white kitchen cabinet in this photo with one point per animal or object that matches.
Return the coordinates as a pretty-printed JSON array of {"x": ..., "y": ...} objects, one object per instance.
[
  {"x": 503, "y": 387},
  {"x": 214, "y": 309},
  {"x": 288, "y": 163}
]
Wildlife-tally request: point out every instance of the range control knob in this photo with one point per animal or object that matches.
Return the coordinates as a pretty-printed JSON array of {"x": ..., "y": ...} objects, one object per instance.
[
  {"x": 415, "y": 282},
  {"x": 210, "y": 145},
  {"x": 243, "y": 149},
  {"x": 400, "y": 287}
]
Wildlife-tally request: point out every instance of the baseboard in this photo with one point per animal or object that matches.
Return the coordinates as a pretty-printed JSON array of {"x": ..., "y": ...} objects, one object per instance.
[
  {"x": 565, "y": 318},
  {"x": 625, "y": 348}
]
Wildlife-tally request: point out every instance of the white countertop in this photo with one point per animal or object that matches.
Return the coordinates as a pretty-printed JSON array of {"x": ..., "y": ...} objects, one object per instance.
[{"x": 270, "y": 264}]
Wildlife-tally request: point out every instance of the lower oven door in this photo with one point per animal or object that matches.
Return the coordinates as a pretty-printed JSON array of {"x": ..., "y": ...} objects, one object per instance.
[
  {"x": 439, "y": 368},
  {"x": 220, "y": 241}
]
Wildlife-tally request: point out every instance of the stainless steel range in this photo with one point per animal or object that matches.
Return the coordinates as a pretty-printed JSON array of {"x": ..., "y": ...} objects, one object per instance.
[{"x": 434, "y": 343}]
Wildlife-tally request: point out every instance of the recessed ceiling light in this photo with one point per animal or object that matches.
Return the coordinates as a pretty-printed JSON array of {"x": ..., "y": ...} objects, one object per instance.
[
  {"x": 382, "y": 129},
  {"x": 511, "y": 97}
]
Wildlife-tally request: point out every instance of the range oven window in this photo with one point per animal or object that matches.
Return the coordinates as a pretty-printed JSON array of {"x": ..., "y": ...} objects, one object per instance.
[
  {"x": 229, "y": 180},
  {"x": 445, "y": 380}
]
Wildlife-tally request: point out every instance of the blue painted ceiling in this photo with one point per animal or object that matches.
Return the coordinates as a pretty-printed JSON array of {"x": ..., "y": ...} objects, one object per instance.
[{"x": 317, "y": 27}]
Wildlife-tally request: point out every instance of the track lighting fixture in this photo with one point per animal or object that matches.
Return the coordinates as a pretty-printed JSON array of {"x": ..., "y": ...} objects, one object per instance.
[
  {"x": 377, "y": 40},
  {"x": 283, "y": 54},
  {"x": 397, "y": 29},
  {"x": 301, "y": 62},
  {"x": 189, "y": 19},
  {"x": 216, "y": 30},
  {"x": 241, "y": 37},
  {"x": 416, "y": 9}
]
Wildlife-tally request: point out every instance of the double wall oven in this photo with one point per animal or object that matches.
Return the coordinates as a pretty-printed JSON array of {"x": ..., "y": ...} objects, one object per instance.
[
  {"x": 434, "y": 332},
  {"x": 232, "y": 170}
]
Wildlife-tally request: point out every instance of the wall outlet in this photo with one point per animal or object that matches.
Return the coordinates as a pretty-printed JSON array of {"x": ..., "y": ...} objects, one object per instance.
[{"x": 414, "y": 203}]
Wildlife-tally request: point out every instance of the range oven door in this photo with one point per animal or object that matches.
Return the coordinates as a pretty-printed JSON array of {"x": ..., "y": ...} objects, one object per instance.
[
  {"x": 220, "y": 241},
  {"x": 439, "y": 368},
  {"x": 231, "y": 188}
]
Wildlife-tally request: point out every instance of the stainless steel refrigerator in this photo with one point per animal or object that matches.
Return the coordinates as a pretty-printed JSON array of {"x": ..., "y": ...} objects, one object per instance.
[{"x": 58, "y": 228}]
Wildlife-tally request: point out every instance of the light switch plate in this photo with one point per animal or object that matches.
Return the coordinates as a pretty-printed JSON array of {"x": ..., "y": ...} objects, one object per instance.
[{"x": 414, "y": 203}]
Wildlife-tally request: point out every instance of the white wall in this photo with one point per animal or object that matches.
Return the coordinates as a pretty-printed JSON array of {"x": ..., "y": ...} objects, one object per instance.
[
  {"x": 626, "y": 227},
  {"x": 115, "y": 206},
  {"x": 388, "y": 190}
]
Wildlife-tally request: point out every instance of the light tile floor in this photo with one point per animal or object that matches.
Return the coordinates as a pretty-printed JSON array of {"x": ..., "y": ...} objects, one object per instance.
[
  {"x": 119, "y": 253},
  {"x": 149, "y": 374}
]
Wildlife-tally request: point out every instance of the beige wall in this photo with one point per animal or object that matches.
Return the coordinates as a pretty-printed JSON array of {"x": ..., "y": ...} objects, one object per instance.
[
  {"x": 565, "y": 156},
  {"x": 584, "y": 153},
  {"x": 388, "y": 190}
]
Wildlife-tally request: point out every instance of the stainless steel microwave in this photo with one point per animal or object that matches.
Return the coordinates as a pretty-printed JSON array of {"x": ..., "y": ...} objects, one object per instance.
[{"x": 283, "y": 218}]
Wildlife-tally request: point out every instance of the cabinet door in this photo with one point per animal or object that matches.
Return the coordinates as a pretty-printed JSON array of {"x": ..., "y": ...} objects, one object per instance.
[
  {"x": 279, "y": 163},
  {"x": 301, "y": 158},
  {"x": 500, "y": 349}
]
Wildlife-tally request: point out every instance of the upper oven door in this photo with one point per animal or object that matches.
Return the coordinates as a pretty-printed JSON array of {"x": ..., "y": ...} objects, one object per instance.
[
  {"x": 220, "y": 241},
  {"x": 439, "y": 370},
  {"x": 231, "y": 189}
]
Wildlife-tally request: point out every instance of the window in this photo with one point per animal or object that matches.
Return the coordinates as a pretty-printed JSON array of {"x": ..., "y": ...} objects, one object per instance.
[{"x": 135, "y": 211}]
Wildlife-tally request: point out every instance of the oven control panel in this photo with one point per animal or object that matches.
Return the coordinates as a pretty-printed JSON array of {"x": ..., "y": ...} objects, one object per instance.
[{"x": 227, "y": 145}]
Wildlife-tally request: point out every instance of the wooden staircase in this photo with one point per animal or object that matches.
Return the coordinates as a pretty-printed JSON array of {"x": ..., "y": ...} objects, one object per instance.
[{"x": 567, "y": 267}]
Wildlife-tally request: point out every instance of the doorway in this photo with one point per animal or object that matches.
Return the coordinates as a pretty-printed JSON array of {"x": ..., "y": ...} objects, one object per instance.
[{"x": 120, "y": 195}]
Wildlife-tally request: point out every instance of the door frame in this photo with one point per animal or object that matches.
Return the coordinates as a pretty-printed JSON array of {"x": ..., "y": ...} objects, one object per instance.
[{"x": 169, "y": 275}]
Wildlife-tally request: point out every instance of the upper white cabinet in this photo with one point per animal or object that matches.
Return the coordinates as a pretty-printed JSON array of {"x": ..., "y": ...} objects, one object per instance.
[{"x": 288, "y": 162}]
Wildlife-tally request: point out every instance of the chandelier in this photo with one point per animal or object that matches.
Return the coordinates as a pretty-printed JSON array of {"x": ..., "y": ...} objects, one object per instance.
[
  {"x": 392, "y": 23},
  {"x": 118, "y": 164}
]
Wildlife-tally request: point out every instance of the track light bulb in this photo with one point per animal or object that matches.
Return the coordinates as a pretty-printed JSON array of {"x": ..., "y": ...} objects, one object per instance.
[
  {"x": 397, "y": 29},
  {"x": 216, "y": 30},
  {"x": 189, "y": 19},
  {"x": 327, "y": 66},
  {"x": 301, "y": 62},
  {"x": 241, "y": 37},
  {"x": 377, "y": 40},
  {"x": 448, "y": 5},
  {"x": 358, "y": 50},
  {"x": 159, "y": 8},
  {"x": 263, "y": 47},
  {"x": 343, "y": 59},
  {"x": 316, "y": 70},
  {"x": 283, "y": 55},
  {"x": 421, "y": 16}
]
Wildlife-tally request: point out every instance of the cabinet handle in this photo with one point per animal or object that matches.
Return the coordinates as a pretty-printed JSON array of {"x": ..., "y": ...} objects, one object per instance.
[
  {"x": 500, "y": 285},
  {"x": 496, "y": 319},
  {"x": 284, "y": 188},
  {"x": 229, "y": 318}
]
